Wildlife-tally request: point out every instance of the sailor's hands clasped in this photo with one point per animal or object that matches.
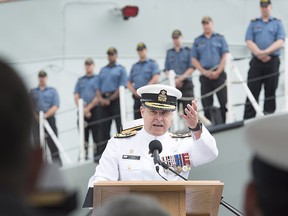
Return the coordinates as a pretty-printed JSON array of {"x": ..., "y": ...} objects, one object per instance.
[{"x": 191, "y": 114}]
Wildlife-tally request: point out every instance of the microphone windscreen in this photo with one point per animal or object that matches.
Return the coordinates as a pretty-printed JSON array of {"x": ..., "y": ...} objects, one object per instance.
[{"x": 155, "y": 144}]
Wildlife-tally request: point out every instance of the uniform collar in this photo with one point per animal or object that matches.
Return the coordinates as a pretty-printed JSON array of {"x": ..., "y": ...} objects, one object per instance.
[
  {"x": 213, "y": 34},
  {"x": 146, "y": 60},
  {"x": 270, "y": 18},
  {"x": 150, "y": 137},
  {"x": 46, "y": 87},
  {"x": 89, "y": 76},
  {"x": 113, "y": 65},
  {"x": 181, "y": 48}
]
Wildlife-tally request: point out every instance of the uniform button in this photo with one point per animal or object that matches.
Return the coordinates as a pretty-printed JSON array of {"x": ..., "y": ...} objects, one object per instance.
[{"x": 129, "y": 167}]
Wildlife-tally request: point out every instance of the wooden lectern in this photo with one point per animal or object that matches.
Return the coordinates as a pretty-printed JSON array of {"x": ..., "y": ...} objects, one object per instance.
[{"x": 180, "y": 198}]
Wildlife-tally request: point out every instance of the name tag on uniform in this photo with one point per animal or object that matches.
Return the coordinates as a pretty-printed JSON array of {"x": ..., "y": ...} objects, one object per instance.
[{"x": 131, "y": 157}]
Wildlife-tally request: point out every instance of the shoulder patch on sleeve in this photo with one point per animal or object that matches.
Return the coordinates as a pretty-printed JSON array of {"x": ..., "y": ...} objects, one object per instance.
[
  {"x": 180, "y": 135},
  {"x": 128, "y": 132}
]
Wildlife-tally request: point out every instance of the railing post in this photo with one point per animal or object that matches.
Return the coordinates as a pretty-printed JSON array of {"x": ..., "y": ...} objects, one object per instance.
[
  {"x": 175, "y": 122},
  {"x": 81, "y": 129},
  {"x": 56, "y": 141},
  {"x": 122, "y": 105},
  {"x": 228, "y": 68},
  {"x": 247, "y": 91},
  {"x": 286, "y": 72},
  {"x": 42, "y": 134}
]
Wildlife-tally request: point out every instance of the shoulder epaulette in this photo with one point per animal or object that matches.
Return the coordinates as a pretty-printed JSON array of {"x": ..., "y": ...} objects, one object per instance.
[
  {"x": 187, "y": 48},
  {"x": 152, "y": 60},
  {"x": 274, "y": 18},
  {"x": 219, "y": 35},
  {"x": 255, "y": 19},
  {"x": 128, "y": 132},
  {"x": 181, "y": 135}
]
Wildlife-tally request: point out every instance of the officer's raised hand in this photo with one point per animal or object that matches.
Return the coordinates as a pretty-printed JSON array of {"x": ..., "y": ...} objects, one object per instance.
[{"x": 191, "y": 118}]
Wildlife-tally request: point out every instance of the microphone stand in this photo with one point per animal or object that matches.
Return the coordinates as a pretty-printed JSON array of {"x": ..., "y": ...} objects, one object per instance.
[{"x": 222, "y": 202}]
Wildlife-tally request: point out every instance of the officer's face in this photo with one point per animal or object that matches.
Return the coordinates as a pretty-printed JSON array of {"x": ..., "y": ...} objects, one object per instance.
[
  {"x": 112, "y": 58},
  {"x": 266, "y": 11},
  {"x": 142, "y": 53},
  {"x": 89, "y": 68},
  {"x": 177, "y": 41},
  {"x": 42, "y": 80},
  {"x": 207, "y": 27},
  {"x": 156, "y": 122}
]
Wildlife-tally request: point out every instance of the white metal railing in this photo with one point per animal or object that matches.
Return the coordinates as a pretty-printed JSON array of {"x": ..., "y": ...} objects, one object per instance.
[
  {"x": 175, "y": 122},
  {"x": 228, "y": 66},
  {"x": 42, "y": 133},
  {"x": 286, "y": 73},
  {"x": 233, "y": 69},
  {"x": 123, "y": 109},
  {"x": 44, "y": 125},
  {"x": 81, "y": 129}
]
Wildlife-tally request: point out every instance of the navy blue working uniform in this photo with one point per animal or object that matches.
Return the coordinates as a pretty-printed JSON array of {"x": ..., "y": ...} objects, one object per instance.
[
  {"x": 86, "y": 87},
  {"x": 141, "y": 73},
  {"x": 264, "y": 34},
  {"x": 209, "y": 52},
  {"x": 43, "y": 101},
  {"x": 111, "y": 77},
  {"x": 180, "y": 62}
]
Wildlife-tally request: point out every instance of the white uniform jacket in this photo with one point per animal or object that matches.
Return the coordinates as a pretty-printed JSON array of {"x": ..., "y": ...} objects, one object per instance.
[{"x": 128, "y": 159}]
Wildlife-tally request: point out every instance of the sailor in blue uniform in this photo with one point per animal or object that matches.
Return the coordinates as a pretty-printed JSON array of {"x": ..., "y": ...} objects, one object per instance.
[
  {"x": 111, "y": 77},
  {"x": 209, "y": 56},
  {"x": 264, "y": 38},
  {"x": 179, "y": 59},
  {"x": 46, "y": 99},
  {"x": 145, "y": 71},
  {"x": 86, "y": 88}
]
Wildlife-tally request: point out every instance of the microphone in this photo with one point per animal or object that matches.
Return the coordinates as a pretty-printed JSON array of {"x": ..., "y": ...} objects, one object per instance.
[{"x": 155, "y": 148}]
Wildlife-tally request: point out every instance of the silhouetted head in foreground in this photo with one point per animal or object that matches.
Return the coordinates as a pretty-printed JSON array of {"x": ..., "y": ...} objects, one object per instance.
[
  {"x": 19, "y": 165},
  {"x": 132, "y": 205},
  {"x": 266, "y": 194}
]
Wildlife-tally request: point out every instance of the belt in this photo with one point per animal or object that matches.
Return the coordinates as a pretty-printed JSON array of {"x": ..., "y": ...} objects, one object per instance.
[{"x": 107, "y": 94}]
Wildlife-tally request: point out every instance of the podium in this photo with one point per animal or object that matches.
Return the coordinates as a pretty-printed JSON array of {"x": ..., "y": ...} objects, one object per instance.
[{"x": 180, "y": 198}]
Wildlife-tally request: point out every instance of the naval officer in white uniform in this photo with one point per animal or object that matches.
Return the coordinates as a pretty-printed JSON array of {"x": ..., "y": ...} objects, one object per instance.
[{"x": 127, "y": 158}]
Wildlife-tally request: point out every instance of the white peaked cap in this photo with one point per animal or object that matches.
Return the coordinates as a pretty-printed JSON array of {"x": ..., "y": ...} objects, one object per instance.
[
  {"x": 268, "y": 137},
  {"x": 162, "y": 97}
]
